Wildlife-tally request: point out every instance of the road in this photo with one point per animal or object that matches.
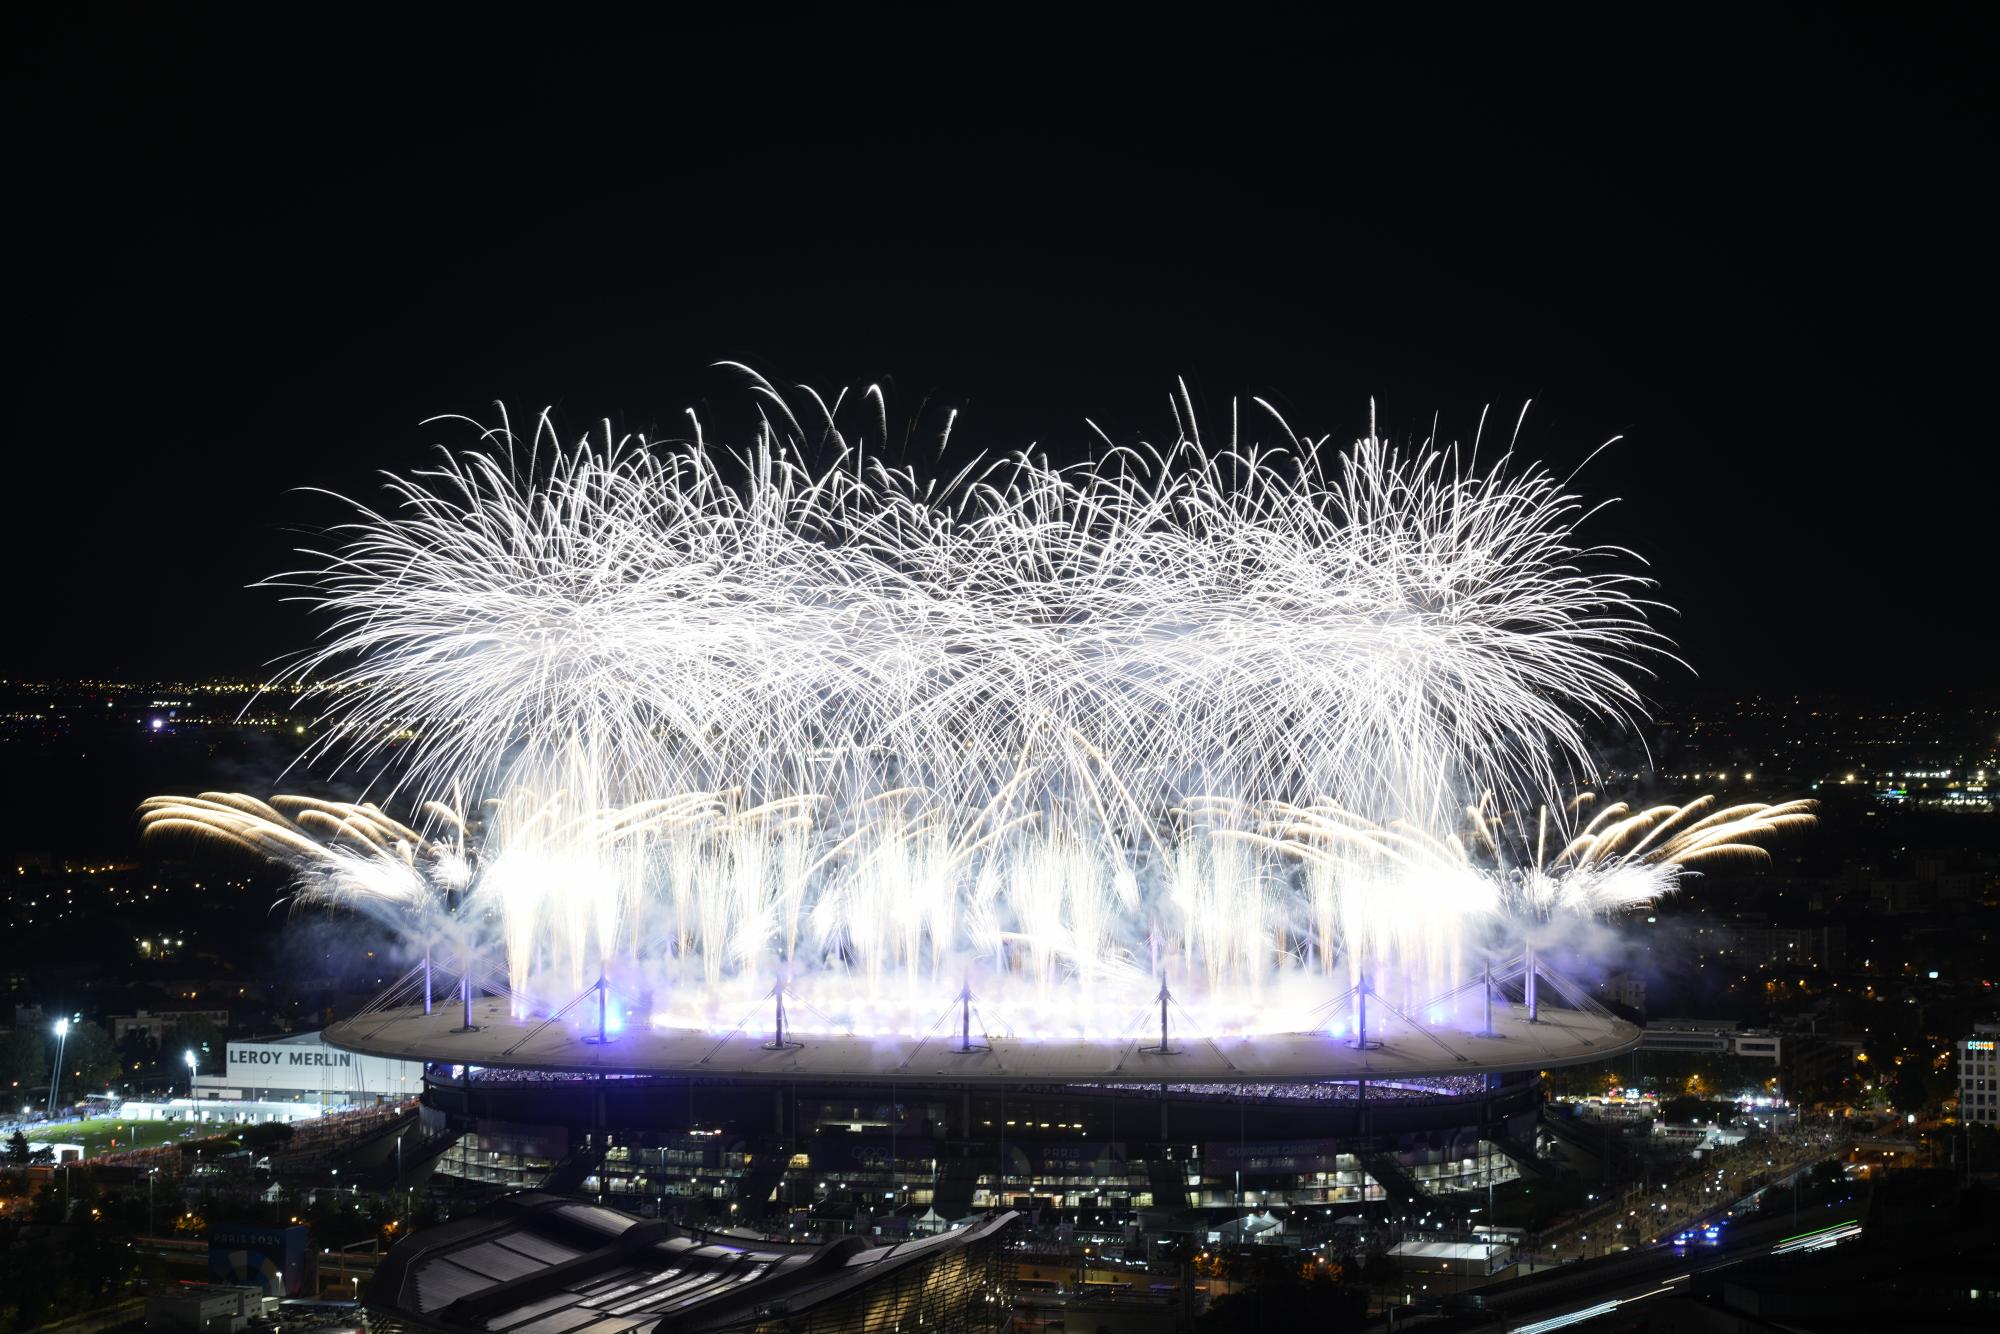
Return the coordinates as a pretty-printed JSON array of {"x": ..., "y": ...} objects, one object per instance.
[
  {"x": 1574, "y": 1295},
  {"x": 1724, "y": 1177}
]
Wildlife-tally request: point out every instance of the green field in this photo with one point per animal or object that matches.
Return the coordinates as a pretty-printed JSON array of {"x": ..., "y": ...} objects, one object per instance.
[{"x": 96, "y": 1136}]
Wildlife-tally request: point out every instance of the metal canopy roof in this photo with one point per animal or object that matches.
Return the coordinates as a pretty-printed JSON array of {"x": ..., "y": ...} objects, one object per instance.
[
  {"x": 1557, "y": 1037},
  {"x": 534, "y": 1263}
]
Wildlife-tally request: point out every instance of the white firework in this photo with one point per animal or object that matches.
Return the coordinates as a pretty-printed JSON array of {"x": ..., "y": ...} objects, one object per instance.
[{"x": 1211, "y": 711}]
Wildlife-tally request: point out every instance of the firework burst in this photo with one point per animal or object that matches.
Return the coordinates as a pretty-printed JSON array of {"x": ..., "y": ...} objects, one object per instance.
[{"x": 726, "y": 715}]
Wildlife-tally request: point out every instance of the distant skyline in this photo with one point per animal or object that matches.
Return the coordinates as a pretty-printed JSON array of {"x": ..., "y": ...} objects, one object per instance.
[{"x": 1756, "y": 260}]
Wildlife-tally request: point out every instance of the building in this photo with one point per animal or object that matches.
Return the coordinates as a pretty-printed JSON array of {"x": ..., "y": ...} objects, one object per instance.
[
  {"x": 1699, "y": 1139},
  {"x": 1979, "y": 1076},
  {"x": 545, "y": 1263},
  {"x": 299, "y": 1067},
  {"x": 1625, "y": 989},
  {"x": 1788, "y": 948},
  {"x": 206, "y": 1308},
  {"x": 1106, "y": 1135},
  {"x": 1711, "y": 1037},
  {"x": 1759, "y": 1047},
  {"x": 1815, "y": 1064},
  {"x": 1102, "y": 1158},
  {"x": 1476, "y": 1259},
  {"x": 161, "y": 1024},
  {"x": 219, "y": 1111}
]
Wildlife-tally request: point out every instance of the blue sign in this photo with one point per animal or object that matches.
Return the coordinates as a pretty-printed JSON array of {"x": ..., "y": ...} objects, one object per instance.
[{"x": 271, "y": 1258}]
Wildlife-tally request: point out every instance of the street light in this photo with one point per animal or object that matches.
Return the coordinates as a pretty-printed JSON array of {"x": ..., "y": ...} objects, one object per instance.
[
  {"x": 192, "y": 1065},
  {"x": 55, "y": 1077}
]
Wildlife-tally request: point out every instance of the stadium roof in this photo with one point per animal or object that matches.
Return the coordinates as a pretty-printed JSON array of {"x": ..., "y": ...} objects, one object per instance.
[
  {"x": 502, "y": 1040},
  {"x": 534, "y": 1263}
]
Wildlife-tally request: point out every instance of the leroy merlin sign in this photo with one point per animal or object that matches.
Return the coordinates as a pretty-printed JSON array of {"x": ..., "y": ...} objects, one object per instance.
[{"x": 241, "y": 1054}]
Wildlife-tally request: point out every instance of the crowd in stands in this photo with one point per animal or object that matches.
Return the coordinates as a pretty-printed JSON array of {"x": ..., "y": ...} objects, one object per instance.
[
  {"x": 1328, "y": 1090},
  {"x": 495, "y": 1074},
  {"x": 312, "y": 1138},
  {"x": 1403, "y": 1088}
]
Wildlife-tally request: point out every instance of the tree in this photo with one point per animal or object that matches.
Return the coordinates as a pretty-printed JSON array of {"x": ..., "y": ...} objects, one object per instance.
[
  {"x": 17, "y": 1150},
  {"x": 266, "y": 1136},
  {"x": 1284, "y": 1301},
  {"x": 24, "y": 1059},
  {"x": 1690, "y": 1111},
  {"x": 90, "y": 1061},
  {"x": 26, "y": 1294},
  {"x": 199, "y": 1035},
  {"x": 1982, "y": 1143},
  {"x": 1917, "y": 1086},
  {"x": 213, "y": 1147},
  {"x": 138, "y": 1047}
]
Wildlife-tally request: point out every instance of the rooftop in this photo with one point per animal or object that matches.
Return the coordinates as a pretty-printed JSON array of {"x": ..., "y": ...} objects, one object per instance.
[{"x": 534, "y": 1263}]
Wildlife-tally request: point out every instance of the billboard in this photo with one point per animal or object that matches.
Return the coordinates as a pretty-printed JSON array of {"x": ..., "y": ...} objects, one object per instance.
[
  {"x": 304, "y": 1064},
  {"x": 272, "y": 1259}
]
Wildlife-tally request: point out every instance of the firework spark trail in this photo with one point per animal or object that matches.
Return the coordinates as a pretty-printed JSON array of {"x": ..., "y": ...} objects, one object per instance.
[
  {"x": 736, "y": 715},
  {"x": 1387, "y": 902},
  {"x": 1399, "y": 633}
]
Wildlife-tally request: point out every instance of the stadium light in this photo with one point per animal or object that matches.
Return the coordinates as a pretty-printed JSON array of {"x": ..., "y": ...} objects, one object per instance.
[{"x": 55, "y": 1076}]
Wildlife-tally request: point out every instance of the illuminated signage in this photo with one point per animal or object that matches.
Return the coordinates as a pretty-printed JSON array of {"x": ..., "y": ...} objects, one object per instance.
[
  {"x": 293, "y": 1056},
  {"x": 1979, "y": 1046}
]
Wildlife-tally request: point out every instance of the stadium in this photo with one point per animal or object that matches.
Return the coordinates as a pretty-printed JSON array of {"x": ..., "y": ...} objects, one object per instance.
[
  {"x": 1173, "y": 843},
  {"x": 1186, "y": 1136}
]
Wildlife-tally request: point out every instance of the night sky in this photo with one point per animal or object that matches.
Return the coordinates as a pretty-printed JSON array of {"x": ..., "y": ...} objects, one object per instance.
[{"x": 246, "y": 261}]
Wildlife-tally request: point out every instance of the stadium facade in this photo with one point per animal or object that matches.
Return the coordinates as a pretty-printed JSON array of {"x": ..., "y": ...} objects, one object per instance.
[{"x": 838, "y": 1132}]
